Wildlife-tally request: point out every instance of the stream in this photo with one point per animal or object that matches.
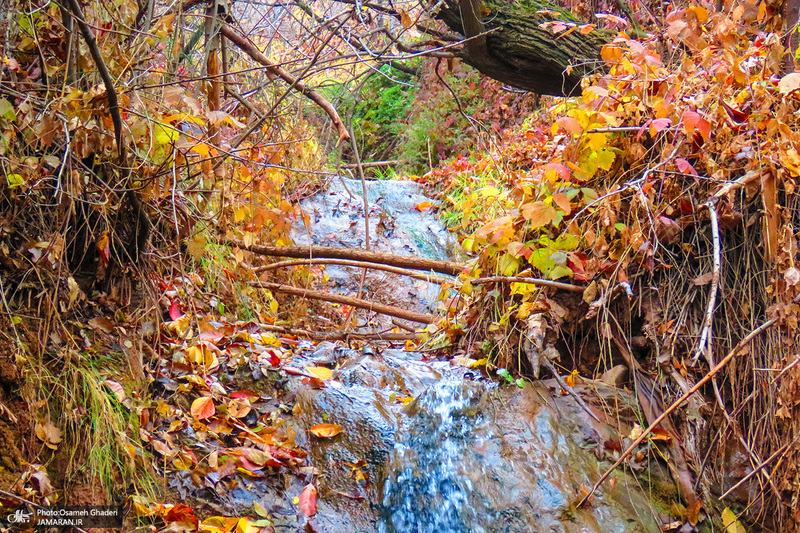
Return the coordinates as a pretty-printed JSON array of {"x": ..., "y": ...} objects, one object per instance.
[{"x": 428, "y": 446}]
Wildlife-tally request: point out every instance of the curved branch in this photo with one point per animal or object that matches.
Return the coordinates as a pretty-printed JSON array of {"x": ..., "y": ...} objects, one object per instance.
[
  {"x": 382, "y": 309},
  {"x": 250, "y": 49}
]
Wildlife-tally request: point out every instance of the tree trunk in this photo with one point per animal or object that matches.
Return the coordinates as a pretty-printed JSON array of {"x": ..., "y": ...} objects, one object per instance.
[{"x": 507, "y": 42}]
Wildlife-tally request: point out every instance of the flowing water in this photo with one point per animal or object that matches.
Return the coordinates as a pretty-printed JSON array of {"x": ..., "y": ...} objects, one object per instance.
[
  {"x": 426, "y": 489},
  {"x": 439, "y": 448}
]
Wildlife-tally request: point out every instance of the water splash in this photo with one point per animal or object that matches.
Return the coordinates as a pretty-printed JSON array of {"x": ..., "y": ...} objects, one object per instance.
[{"x": 428, "y": 490}]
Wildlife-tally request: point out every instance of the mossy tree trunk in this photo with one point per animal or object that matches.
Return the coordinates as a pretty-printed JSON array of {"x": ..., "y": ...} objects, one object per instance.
[{"x": 506, "y": 41}]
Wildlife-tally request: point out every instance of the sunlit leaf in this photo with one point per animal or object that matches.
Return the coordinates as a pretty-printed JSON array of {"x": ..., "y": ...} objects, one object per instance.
[
  {"x": 325, "y": 430},
  {"x": 203, "y": 408},
  {"x": 320, "y": 372}
]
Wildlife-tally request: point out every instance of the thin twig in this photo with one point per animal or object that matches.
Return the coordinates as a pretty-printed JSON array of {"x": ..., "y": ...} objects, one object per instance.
[
  {"x": 553, "y": 370},
  {"x": 677, "y": 403},
  {"x": 706, "y": 334},
  {"x": 782, "y": 450}
]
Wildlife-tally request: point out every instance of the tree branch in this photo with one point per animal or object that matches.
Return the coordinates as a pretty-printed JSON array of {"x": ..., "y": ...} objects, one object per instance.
[
  {"x": 305, "y": 252},
  {"x": 250, "y": 49},
  {"x": 383, "y": 309}
]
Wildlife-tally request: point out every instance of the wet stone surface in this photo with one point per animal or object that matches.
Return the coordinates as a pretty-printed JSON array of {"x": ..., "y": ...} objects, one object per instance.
[
  {"x": 464, "y": 455},
  {"x": 397, "y": 226}
]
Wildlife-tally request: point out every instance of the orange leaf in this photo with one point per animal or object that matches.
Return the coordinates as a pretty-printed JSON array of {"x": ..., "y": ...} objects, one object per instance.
[
  {"x": 405, "y": 19},
  {"x": 562, "y": 201},
  {"x": 181, "y": 514},
  {"x": 308, "y": 500},
  {"x": 203, "y": 408},
  {"x": 325, "y": 430},
  {"x": 539, "y": 213},
  {"x": 424, "y": 206},
  {"x": 660, "y": 433},
  {"x": 693, "y": 121},
  {"x": 570, "y": 124}
]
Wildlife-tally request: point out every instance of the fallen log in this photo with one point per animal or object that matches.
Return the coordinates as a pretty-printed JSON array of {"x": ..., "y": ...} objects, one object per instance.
[
  {"x": 360, "y": 264},
  {"x": 341, "y": 335},
  {"x": 329, "y": 252},
  {"x": 382, "y": 309}
]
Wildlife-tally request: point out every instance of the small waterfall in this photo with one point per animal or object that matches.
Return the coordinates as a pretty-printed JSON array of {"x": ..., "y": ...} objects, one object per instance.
[{"x": 428, "y": 490}]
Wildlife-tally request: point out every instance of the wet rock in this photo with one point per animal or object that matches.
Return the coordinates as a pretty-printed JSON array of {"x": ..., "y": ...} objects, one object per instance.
[
  {"x": 465, "y": 455},
  {"x": 615, "y": 376}
]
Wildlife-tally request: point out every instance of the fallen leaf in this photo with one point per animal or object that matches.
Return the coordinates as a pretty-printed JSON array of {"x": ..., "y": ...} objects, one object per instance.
[
  {"x": 203, "y": 408},
  {"x": 424, "y": 206},
  {"x": 102, "y": 323},
  {"x": 175, "y": 310},
  {"x": 731, "y": 523},
  {"x": 704, "y": 279},
  {"x": 246, "y": 525},
  {"x": 789, "y": 83},
  {"x": 48, "y": 433},
  {"x": 181, "y": 514},
  {"x": 218, "y": 524},
  {"x": 320, "y": 372},
  {"x": 308, "y": 500},
  {"x": 325, "y": 430}
]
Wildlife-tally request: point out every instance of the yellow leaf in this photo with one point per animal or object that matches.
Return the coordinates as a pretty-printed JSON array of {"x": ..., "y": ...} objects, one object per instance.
[
  {"x": 218, "y": 524},
  {"x": 325, "y": 430},
  {"x": 320, "y": 372},
  {"x": 245, "y": 525},
  {"x": 165, "y": 135},
  {"x": 732, "y": 525}
]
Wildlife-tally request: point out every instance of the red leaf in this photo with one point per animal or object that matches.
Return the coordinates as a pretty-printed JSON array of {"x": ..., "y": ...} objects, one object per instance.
[
  {"x": 660, "y": 124},
  {"x": 685, "y": 167},
  {"x": 249, "y": 394},
  {"x": 203, "y": 408},
  {"x": 175, "y": 311},
  {"x": 104, "y": 249},
  {"x": 182, "y": 514},
  {"x": 693, "y": 121},
  {"x": 562, "y": 170},
  {"x": 308, "y": 500}
]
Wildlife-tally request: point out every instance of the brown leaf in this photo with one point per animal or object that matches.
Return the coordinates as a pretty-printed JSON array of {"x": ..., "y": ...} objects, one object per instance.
[
  {"x": 102, "y": 323},
  {"x": 203, "y": 408},
  {"x": 325, "y": 430},
  {"x": 308, "y": 500},
  {"x": 48, "y": 433},
  {"x": 704, "y": 279}
]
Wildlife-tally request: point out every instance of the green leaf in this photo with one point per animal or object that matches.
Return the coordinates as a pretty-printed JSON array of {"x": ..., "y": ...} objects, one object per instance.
[
  {"x": 7, "y": 110},
  {"x": 560, "y": 271},
  {"x": 520, "y": 383},
  {"x": 14, "y": 180}
]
